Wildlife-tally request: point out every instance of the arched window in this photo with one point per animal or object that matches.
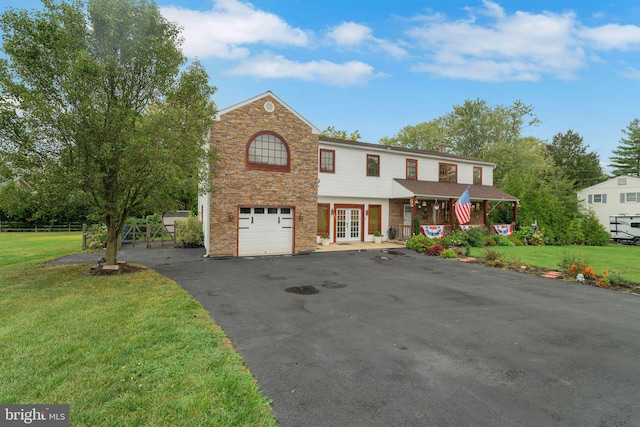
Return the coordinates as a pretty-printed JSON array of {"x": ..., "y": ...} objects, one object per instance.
[{"x": 268, "y": 151}]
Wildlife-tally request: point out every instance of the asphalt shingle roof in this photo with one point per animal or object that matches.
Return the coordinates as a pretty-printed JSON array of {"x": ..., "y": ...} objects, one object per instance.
[{"x": 452, "y": 190}]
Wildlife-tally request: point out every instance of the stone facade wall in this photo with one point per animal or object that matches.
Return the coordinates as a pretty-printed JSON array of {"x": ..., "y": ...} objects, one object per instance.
[{"x": 234, "y": 185}]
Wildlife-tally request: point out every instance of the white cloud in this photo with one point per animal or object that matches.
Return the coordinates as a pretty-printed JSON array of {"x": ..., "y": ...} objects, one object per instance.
[
  {"x": 631, "y": 73},
  {"x": 268, "y": 65},
  {"x": 226, "y": 29},
  {"x": 351, "y": 35},
  {"x": 612, "y": 36},
  {"x": 521, "y": 46}
]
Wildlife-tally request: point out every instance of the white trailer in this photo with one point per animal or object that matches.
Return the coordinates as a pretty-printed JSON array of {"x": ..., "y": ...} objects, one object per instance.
[{"x": 625, "y": 229}]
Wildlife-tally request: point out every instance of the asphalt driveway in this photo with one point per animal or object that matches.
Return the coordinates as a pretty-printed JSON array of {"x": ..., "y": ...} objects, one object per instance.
[{"x": 409, "y": 340}]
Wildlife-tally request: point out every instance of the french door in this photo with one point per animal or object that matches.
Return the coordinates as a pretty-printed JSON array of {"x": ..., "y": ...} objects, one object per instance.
[{"x": 348, "y": 224}]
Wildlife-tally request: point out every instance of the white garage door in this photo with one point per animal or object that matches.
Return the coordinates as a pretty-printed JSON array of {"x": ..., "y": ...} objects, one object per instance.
[{"x": 265, "y": 231}]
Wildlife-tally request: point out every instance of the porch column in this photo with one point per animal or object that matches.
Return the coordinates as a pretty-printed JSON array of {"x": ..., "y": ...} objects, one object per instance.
[
  {"x": 515, "y": 212},
  {"x": 414, "y": 210},
  {"x": 485, "y": 207},
  {"x": 451, "y": 213}
]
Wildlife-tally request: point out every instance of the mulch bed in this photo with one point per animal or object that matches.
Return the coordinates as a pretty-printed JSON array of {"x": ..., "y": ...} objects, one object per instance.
[
  {"x": 112, "y": 270},
  {"x": 628, "y": 287}
]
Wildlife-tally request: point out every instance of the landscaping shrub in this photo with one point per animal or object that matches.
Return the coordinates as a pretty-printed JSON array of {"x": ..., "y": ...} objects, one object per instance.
[
  {"x": 594, "y": 233},
  {"x": 419, "y": 243},
  {"x": 502, "y": 240},
  {"x": 435, "y": 250},
  {"x": 575, "y": 233},
  {"x": 460, "y": 250},
  {"x": 498, "y": 263},
  {"x": 96, "y": 237},
  {"x": 448, "y": 253},
  {"x": 489, "y": 241},
  {"x": 475, "y": 237},
  {"x": 416, "y": 226},
  {"x": 536, "y": 239},
  {"x": 570, "y": 258},
  {"x": 576, "y": 269},
  {"x": 615, "y": 278},
  {"x": 515, "y": 240},
  {"x": 457, "y": 238},
  {"x": 491, "y": 255},
  {"x": 189, "y": 232}
]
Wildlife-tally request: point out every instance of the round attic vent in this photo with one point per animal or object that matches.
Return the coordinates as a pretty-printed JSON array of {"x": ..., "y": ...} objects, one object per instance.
[{"x": 269, "y": 106}]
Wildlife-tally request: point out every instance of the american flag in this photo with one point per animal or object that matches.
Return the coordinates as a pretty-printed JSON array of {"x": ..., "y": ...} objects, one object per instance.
[{"x": 463, "y": 208}]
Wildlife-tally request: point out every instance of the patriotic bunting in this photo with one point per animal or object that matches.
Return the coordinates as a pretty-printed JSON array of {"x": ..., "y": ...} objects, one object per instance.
[
  {"x": 433, "y": 231},
  {"x": 503, "y": 229}
]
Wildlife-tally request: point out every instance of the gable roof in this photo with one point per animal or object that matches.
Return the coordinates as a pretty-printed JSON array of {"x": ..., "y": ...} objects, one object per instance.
[
  {"x": 452, "y": 190},
  {"x": 632, "y": 181},
  {"x": 432, "y": 154},
  {"x": 270, "y": 94}
]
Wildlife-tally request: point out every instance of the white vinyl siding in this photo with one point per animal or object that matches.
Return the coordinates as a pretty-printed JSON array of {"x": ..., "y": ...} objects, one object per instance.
[
  {"x": 350, "y": 178},
  {"x": 615, "y": 202}
]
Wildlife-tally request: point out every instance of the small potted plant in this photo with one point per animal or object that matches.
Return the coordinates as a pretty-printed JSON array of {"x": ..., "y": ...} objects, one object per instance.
[
  {"x": 325, "y": 239},
  {"x": 377, "y": 237}
]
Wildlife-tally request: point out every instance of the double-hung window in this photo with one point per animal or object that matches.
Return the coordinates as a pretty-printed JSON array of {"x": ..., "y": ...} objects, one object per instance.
[
  {"x": 327, "y": 160},
  {"x": 412, "y": 169},
  {"x": 448, "y": 172},
  {"x": 477, "y": 175},
  {"x": 373, "y": 165}
]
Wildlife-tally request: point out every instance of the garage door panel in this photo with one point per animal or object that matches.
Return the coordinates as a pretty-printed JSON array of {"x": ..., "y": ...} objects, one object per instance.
[{"x": 265, "y": 231}]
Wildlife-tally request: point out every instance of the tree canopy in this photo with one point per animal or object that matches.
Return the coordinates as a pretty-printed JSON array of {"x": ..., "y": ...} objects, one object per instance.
[
  {"x": 626, "y": 158},
  {"x": 569, "y": 156},
  {"x": 332, "y": 132},
  {"x": 94, "y": 103}
]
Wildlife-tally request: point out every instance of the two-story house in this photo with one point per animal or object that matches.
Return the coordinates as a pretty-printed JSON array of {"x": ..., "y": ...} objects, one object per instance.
[
  {"x": 617, "y": 196},
  {"x": 364, "y": 188},
  {"x": 278, "y": 185}
]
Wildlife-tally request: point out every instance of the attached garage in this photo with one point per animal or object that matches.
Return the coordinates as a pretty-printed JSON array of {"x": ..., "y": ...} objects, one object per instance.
[{"x": 264, "y": 230}]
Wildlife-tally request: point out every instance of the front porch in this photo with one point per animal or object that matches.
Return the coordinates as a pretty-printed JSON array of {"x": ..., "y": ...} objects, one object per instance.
[{"x": 433, "y": 203}]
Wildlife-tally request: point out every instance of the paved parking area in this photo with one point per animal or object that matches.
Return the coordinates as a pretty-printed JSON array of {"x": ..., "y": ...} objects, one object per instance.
[{"x": 393, "y": 338}]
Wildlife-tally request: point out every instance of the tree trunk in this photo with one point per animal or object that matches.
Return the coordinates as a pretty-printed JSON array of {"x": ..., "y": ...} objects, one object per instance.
[{"x": 113, "y": 234}]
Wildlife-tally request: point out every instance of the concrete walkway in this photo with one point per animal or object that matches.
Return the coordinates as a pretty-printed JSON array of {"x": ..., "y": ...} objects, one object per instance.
[{"x": 360, "y": 246}]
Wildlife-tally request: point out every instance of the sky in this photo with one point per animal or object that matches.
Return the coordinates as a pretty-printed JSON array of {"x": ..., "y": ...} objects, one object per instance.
[{"x": 379, "y": 66}]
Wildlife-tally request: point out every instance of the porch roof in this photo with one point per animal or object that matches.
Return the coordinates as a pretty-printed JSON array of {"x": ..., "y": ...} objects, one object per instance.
[{"x": 451, "y": 190}]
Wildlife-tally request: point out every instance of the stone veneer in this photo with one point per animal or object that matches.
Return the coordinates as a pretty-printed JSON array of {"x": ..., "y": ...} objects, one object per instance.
[{"x": 234, "y": 185}]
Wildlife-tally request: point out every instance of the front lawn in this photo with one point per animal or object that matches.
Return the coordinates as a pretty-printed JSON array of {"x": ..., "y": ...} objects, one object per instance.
[
  {"x": 619, "y": 258},
  {"x": 122, "y": 350}
]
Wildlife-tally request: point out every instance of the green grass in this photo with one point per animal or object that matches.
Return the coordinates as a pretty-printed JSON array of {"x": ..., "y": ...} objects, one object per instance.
[
  {"x": 122, "y": 350},
  {"x": 619, "y": 258}
]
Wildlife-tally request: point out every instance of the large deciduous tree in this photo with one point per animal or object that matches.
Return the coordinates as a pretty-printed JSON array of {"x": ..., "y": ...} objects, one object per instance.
[
  {"x": 94, "y": 102},
  {"x": 423, "y": 136},
  {"x": 626, "y": 158},
  {"x": 570, "y": 157}
]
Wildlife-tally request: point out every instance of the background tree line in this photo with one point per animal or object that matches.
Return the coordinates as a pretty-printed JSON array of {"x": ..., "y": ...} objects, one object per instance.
[{"x": 545, "y": 176}]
